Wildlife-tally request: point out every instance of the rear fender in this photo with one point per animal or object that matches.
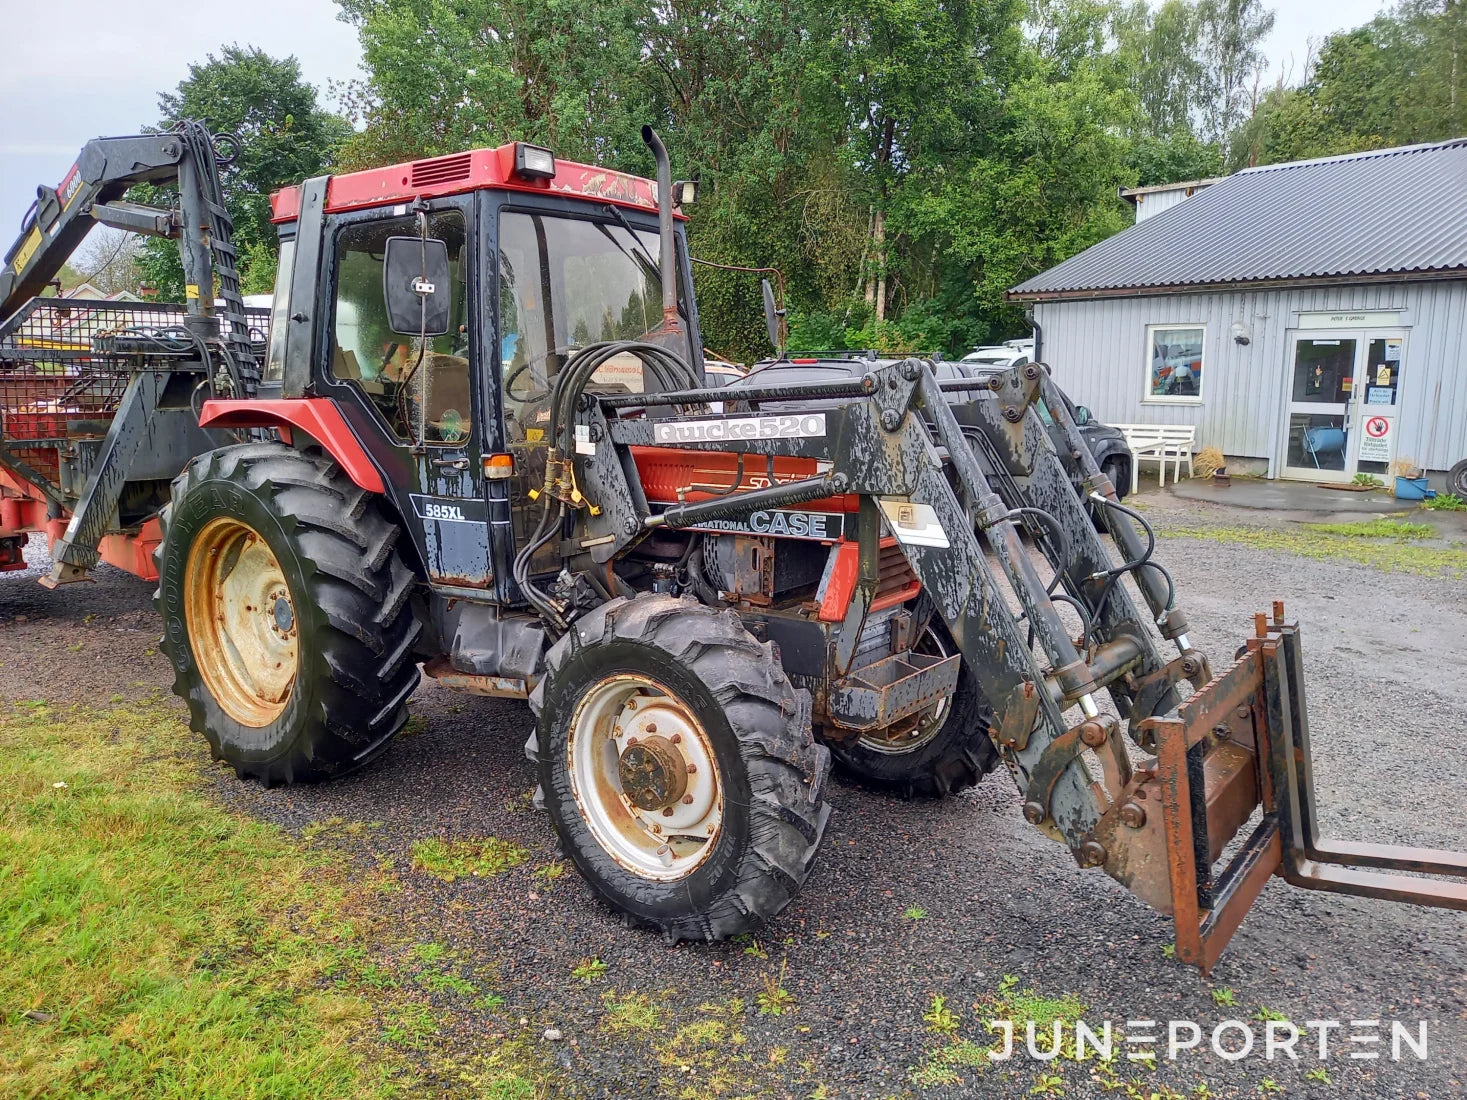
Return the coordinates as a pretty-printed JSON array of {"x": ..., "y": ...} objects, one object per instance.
[{"x": 317, "y": 417}]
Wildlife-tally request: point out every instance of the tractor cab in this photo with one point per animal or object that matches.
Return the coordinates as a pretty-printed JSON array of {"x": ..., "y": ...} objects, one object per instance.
[{"x": 538, "y": 258}]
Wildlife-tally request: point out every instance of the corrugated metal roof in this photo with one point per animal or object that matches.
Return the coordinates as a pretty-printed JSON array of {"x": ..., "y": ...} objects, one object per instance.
[{"x": 1393, "y": 211}]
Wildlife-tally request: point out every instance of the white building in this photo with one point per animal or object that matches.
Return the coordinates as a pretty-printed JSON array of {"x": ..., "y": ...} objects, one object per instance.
[
  {"x": 1151, "y": 201},
  {"x": 1308, "y": 318}
]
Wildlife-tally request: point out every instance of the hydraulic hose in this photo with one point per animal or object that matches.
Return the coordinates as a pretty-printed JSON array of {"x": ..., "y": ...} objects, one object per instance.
[
  {"x": 1144, "y": 561},
  {"x": 667, "y": 371}
]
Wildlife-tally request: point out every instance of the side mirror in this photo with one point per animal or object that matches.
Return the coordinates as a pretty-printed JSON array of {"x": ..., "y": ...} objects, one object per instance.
[
  {"x": 773, "y": 318},
  {"x": 416, "y": 286},
  {"x": 1082, "y": 415}
]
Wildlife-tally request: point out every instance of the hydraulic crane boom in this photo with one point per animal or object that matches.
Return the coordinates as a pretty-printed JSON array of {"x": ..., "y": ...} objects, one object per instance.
[
  {"x": 92, "y": 192},
  {"x": 68, "y": 372}
]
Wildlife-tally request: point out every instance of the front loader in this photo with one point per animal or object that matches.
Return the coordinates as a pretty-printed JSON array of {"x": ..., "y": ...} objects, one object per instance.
[{"x": 480, "y": 446}]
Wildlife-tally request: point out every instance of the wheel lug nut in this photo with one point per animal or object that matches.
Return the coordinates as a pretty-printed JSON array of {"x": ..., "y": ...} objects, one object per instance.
[
  {"x": 687, "y": 800},
  {"x": 676, "y": 739},
  {"x": 631, "y": 741},
  {"x": 667, "y": 811},
  {"x": 652, "y": 728},
  {"x": 692, "y": 768}
]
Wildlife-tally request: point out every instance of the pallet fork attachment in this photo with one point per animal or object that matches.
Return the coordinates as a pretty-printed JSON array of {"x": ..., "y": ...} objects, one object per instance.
[{"x": 1245, "y": 738}]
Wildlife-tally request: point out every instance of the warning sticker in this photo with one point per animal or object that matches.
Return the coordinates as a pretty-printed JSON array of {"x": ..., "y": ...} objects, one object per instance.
[{"x": 1375, "y": 444}]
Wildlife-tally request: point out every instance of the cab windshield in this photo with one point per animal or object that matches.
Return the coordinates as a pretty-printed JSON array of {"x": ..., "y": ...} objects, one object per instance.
[{"x": 565, "y": 283}]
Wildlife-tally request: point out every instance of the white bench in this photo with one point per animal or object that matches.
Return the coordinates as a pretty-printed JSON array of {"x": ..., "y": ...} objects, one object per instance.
[{"x": 1160, "y": 443}]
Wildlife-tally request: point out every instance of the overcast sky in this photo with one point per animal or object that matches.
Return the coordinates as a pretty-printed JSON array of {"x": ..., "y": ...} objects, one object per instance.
[{"x": 78, "y": 69}]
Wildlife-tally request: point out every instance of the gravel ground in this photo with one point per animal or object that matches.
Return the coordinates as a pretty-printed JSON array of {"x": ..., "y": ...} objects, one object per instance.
[{"x": 1388, "y": 704}]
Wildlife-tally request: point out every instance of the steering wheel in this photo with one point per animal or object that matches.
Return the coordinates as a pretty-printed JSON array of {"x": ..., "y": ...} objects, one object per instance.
[{"x": 536, "y": 395}]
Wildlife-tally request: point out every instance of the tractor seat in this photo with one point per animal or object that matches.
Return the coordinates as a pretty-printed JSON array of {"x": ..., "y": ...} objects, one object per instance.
[{"x": 449, "y": 404}]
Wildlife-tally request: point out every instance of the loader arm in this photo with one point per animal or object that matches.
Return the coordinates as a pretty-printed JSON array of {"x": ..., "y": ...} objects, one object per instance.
[{"x": 958, "y": 498}]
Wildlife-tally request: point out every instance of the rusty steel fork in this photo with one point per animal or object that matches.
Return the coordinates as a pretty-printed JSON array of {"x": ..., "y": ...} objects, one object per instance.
[{"x": 1240, "y": 742}]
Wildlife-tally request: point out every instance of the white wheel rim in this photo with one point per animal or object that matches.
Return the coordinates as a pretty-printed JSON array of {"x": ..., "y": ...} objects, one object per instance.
[{"x": 659, "y": 820}]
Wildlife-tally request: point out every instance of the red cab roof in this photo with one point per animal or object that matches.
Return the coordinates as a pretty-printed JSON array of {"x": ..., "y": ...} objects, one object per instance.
[{"x": 470, "y": 171}]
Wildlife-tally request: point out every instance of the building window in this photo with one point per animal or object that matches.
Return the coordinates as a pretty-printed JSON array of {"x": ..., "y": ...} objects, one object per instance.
[{"x": 1174, "y": 366}]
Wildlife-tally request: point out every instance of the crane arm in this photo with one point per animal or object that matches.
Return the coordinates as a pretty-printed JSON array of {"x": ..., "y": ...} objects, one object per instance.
[{"x": 92, "y": 192}]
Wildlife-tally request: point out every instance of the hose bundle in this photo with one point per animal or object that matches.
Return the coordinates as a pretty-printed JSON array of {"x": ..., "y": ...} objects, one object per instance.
[{"x": 666, "y": 370}]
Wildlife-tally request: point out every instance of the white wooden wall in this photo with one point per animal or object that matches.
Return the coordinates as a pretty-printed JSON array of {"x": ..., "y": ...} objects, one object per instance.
[{"x": 1098, "y": 350}]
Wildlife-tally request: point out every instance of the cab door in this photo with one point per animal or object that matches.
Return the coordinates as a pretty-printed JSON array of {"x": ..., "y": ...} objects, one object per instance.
[{"x": 416, "y": 403}]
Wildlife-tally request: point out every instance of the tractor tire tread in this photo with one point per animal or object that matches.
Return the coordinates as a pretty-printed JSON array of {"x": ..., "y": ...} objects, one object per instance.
[
  {"x": 345, "y": 548},
  {"x": 783, "y": 763}
]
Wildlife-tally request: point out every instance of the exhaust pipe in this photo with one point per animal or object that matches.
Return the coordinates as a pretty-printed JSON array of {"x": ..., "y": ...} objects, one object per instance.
[{"x": 668, "y": 257}]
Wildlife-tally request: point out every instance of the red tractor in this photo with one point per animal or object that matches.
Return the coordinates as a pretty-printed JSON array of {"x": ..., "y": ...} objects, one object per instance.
[{"x": 474, "y": 437}]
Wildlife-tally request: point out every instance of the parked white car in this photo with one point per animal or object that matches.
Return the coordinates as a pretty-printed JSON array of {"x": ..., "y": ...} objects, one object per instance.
[{"x": 1000, "y": 356}]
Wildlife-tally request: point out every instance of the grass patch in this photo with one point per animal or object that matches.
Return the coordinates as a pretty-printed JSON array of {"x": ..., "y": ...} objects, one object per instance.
[
  {"x": 632, "y": 1012},
  {"x": 473, "y": 858},
  {"x": 410, "y": 1025},
  {"x": 443, "y": 981},
  {"x": 1011, "y": 1003},
  {"x": 152, "y": 943},
  {"x": 957, "y": 1058},
  {"x": 1378, "y": 528},
  {"x": 774, "y": 999},
  {"x": 589, "y": 970},
  {"x": 1446, "y": 502},
  {"x": 1389, "y": 554}
]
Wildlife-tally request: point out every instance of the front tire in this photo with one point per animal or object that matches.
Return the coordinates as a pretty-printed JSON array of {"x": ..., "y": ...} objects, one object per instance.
[
  {"x": 286, "y": 613},
  {"x": 947, "y": 749},
  {"x": 678, "y": 767}
]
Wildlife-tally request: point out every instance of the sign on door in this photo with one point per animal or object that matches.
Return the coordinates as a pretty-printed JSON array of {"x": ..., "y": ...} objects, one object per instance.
[{"x": 1375, "y": 443}]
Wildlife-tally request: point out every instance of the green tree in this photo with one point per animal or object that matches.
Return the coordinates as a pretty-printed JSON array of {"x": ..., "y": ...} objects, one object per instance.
[
  {"x": 1160, "y": 51},
  {"x": 902, "y": 162},
  {"x": 445, "y": 75},
  {"x": 284, "y": 137},
  {"x": 1397, "y": 80},
  {"x": 1231, "y": 44}
]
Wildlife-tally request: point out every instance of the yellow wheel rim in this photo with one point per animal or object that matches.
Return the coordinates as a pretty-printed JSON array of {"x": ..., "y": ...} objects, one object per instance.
[{"x": 241, "y": 622}]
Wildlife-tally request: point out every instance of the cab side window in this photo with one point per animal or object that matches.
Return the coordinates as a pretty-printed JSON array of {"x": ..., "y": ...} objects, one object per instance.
[{"x": 421, "y": 389}]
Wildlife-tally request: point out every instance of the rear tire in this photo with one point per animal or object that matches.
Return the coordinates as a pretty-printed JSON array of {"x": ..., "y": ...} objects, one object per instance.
[
  {"x": 939, "y": 761},
  {"x": 742, "y": 826},
  {"x": 1120, "y": 476},
  {"x": 286, "y": 613}
]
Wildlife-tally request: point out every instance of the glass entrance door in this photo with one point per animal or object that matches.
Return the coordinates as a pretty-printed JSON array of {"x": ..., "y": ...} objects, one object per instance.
[
  {"x": 1321, "y": 397},
  {"x": 1378, "y": 387},
  {"x": 1343, "y": 398}
]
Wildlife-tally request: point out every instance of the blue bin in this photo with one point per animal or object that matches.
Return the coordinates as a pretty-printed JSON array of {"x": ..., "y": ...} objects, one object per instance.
[{"x": 1413, "y": 488}]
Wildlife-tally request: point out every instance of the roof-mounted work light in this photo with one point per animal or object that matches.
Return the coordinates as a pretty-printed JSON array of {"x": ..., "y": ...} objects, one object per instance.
[
  {"x": 533, "y": 162},
  {"x": 684, "y": 193}
]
